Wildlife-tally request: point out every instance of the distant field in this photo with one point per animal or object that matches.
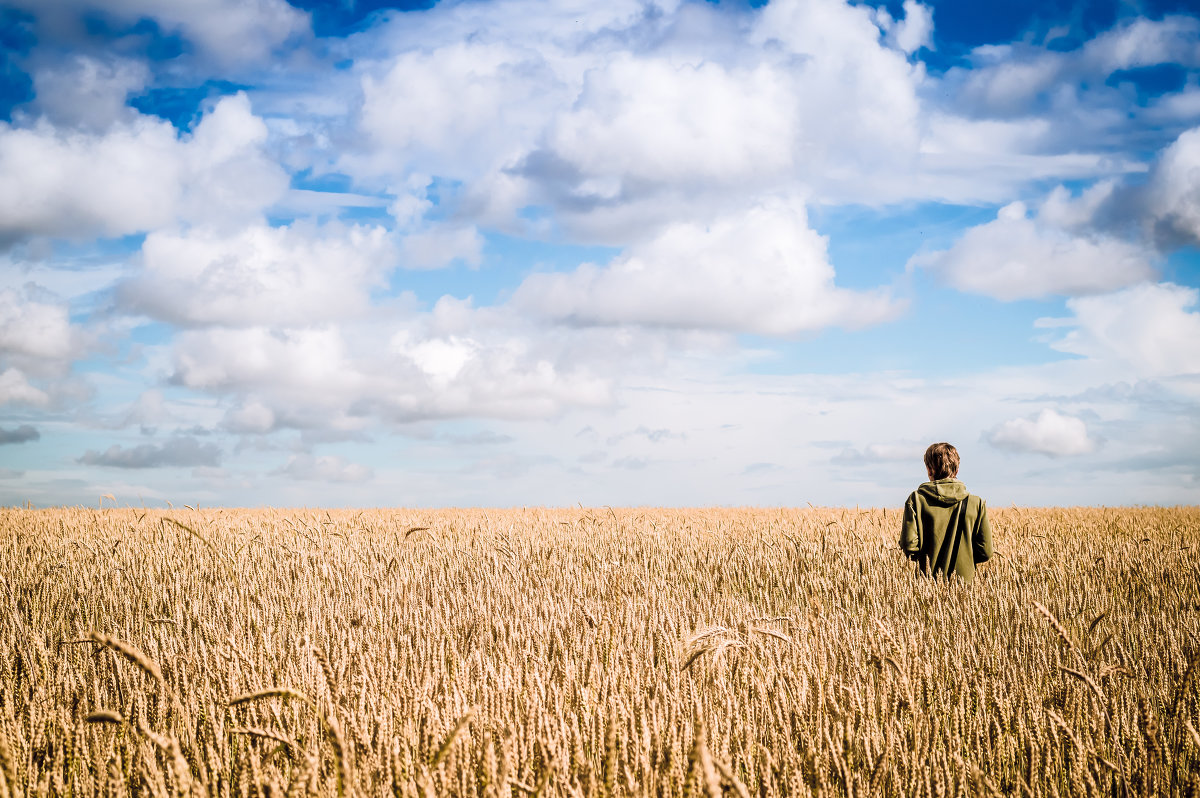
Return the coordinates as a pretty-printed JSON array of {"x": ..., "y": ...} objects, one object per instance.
[{"x": 593, "y": 652}]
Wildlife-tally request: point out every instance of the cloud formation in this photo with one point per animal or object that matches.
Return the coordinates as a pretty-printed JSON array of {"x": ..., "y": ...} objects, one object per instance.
[
  {"x": 176, "y": 452},
  {"x": 1147, "y": 329},
  {"x": 1112, "y": 235},
  {"x": 482, "y": 227},
  {"x": 136, "y": 176},
  {"x": 762, "y": 270},
  {"x": 260, "y": 275},
  {"x": 22, "y": 434},
  {"x": 881, "y": 453},
  {"x": 232, "y": 31},
  {"x": 1018, "y": 257},
  {"x": 1049, "y": 433},
  {"x": 325, "y": 468},
  {"x": 37, "y": 344}
]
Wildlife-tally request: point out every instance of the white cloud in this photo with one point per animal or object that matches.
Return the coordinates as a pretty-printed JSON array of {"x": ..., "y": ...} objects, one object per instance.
[
  {"x": 37, "y": 345},
  {"x": 911, "y": 33},
  {"x": 232, "y": 30},
  {"x": 619, "y": 121},
  {"x": 33, "y": 328},
  {"x": 460, "y": 107},
  {"x": 227, "y": 174},
  {"x": 258, "y": 357},
  {"x": 654, "y": 120},
  {"x": 1049, "y": 433},
  {"x": 89, "y": 92},
  {"x": 1017, "y": 257},
  {"x": 808, "y": 94},
  {"x": 147, "y": 411},
  {"x": 881, "y": 453},
  {"x": 16, "y": 389},
  {"x": 75, "y": 184},
  {"x": 1147, "y": 329},
  {"x": 620, "y": 139},
  {"x": 1007, "y": 80},
  {"x": 439, "y": 245},
  {"x": 1023, "y": 80},
  {"x": 259, "y": 275},
  {"x": 857, "y": 98},
  {"x": 453, "y": 362},
  {"x": 1077, "y": 214},
  {"x": 441, "y": 359},
  {"x": 136, "y": 176},
  {"x": 325, "y": 468},
  {"x": 250, "y": 417},
  {"x": 1173, "y": 192},
  {"x": 763, "y": 270},
  {"x": 1142, "y": 42}
]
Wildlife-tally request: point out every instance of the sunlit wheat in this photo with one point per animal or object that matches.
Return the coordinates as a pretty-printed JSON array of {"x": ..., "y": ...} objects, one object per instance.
[{"x": 593, "y": 652}]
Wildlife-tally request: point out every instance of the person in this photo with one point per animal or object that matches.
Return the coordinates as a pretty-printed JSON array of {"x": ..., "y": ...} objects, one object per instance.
[{"x": 945, "y": 530}]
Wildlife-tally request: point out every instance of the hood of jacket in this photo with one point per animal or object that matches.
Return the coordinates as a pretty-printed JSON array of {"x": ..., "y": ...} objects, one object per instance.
[{"x": 943, "y": 492}]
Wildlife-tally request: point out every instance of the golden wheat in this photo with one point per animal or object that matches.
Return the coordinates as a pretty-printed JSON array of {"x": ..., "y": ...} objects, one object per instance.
[{"x": 603, "y": 652}]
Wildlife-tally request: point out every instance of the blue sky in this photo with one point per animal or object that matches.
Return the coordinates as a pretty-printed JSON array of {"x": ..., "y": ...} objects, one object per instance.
[{"x": 642, "y": 252}]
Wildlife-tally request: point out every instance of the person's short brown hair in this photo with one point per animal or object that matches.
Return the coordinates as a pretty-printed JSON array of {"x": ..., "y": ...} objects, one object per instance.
[{"x": 942, "y": 460}]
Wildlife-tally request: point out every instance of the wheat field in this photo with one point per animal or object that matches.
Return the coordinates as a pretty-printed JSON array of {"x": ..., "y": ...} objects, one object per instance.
[{"x": 593, "y": 652}]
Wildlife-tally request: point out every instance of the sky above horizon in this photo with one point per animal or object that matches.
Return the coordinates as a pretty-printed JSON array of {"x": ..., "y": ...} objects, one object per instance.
[{"x": 643, "y": 252}]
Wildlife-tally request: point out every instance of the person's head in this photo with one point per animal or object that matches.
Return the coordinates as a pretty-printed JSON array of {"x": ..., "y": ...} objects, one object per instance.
[{"x": 941, "y": 461}]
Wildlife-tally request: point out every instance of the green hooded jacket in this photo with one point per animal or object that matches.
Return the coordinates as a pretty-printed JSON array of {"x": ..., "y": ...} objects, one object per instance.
[{"x": 946, "y": 529}]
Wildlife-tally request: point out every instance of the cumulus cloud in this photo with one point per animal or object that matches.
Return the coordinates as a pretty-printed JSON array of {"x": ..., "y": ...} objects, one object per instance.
[
  {"x": 652, "y": 120},
  {"x": 33, "y": 328},
  {"x": 1173, "y": 192},
  {"x": 1145, "y": 328},
  {"x": 252, "y": 416},
  {"x": 857, "y": 95},
  {"x": 22, "y": 434},
  {"x": 619, "y": 139},
  {"x": 258, "y": 275},
  {"x": 913, "y": 31},
  {"x": 456, "y": 361},
  {"x": 619, "y": 121},
  {"x": 37, "y": 343},
  {"x": 325, "y": 468},
  {"x": 1018, "y": 257},
  {"x": 763, "y": 270},
  {"x": 89, "y": 92},
  {"x": 15, "y": 388},
  {"x": 1142, "y": 42},
  {"x": 258, "y": 357},
  {"x": 1113, "y": 234},
  {"x": 135, "y": 176},
  {"x": 1027, "y": 80},
  {"x": 180, "y": 451},
  {"x": 231, "y": 30},
  {"x": 441, "y": 245},
  {"x": 692, "y": 137},
  {"x": 1049, "y": 433},
  {"x": 881, "y": 453},
  {"x": 470, "y": 99}
]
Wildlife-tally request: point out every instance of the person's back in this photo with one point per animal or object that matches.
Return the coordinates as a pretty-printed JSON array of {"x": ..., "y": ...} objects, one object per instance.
[{"x": 946, "y": 529}]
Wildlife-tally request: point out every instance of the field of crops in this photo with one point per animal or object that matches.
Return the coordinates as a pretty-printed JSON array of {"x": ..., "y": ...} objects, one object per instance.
[{"x": 593, "y": 652}]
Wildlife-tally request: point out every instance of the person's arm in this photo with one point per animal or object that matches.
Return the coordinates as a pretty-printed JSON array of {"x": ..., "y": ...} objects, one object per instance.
[
  {"x": 981, "y": 542},
  {"x": 910, "y": 531}
]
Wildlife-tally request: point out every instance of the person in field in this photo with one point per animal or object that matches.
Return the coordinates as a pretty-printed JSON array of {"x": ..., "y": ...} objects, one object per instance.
[{"x": 946, "y": 530}]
